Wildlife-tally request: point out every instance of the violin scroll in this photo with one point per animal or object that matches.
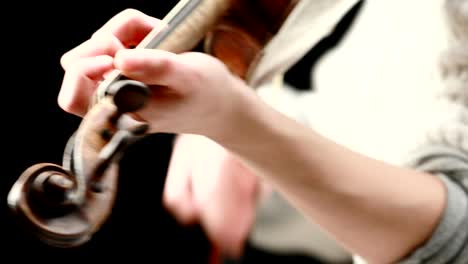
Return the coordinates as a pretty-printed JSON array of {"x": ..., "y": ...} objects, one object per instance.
[
  {"x": 65, "y": 205},
  {"x": 40, "y": 196}
]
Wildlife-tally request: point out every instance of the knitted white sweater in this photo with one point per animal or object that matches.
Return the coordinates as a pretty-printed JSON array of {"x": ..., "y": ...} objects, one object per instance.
[{"x": 381, "y": 93}]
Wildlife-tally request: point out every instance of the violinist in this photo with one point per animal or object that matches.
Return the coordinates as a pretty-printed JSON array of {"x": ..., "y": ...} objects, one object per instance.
[{"x": 336, "y": 154}]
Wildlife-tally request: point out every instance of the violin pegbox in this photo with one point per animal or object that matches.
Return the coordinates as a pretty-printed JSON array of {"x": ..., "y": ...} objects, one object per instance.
[{"x": 65, "y": 205}]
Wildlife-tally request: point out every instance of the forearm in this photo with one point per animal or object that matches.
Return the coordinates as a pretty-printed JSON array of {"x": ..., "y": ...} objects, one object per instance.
[{"x": 369, "y": 206}]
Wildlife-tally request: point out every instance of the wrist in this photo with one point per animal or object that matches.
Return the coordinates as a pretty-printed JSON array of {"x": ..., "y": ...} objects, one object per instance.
[{"x": 239, "y": 117}]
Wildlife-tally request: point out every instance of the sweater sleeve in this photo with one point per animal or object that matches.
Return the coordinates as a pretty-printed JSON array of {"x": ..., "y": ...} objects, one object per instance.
[
  {"x": 448, "y": 243},
  {"x": 445, "y": 154}
]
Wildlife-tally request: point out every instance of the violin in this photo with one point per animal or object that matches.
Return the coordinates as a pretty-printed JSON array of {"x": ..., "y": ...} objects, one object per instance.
[{"x": 65, "y": 205}]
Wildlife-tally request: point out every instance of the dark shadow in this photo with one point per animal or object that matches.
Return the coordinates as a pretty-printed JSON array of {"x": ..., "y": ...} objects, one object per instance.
[{"x": 299, "y": 76}]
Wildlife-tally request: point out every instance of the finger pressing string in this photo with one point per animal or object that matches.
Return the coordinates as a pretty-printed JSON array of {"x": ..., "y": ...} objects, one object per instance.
[
  {"x": 83, "y": 74},
  {"x": 125, "y": 30},
  {"x": 104, "y": 45},
  {"x": 130, "y": 27}
]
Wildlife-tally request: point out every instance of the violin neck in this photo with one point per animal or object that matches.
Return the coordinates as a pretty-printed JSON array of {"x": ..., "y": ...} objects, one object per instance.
[{"x": 174, "y": 18}]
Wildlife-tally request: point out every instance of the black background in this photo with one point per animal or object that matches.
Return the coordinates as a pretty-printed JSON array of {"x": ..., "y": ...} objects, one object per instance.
[{"x": 34, "y": 36}]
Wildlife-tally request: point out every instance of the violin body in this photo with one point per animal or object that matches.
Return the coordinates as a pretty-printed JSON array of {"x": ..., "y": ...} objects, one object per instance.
[
  {"x": 65, "y": 205},
  {"x": 241, "y": 33}
]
